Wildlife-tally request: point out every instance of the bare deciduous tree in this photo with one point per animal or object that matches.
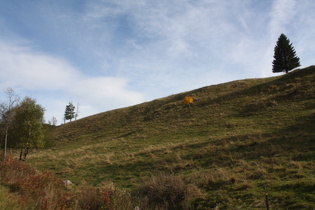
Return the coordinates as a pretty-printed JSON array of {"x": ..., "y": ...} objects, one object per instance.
[{"x": 7, "y": 113}]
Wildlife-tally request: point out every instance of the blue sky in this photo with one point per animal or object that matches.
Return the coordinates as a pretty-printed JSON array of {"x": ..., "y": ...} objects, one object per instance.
[{"x": 108, "y": 54}]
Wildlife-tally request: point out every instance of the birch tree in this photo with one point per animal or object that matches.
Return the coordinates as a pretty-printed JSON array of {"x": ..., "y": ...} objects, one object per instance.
[
  {"x": 7, "y": 109},
  {"x": 28, "y": 127}
]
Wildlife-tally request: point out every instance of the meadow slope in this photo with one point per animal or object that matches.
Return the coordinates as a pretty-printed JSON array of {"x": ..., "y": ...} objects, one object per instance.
[{"x": 234, "y": 140}]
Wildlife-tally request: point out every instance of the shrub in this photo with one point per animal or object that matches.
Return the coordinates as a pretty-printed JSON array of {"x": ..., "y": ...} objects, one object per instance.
[
  {"x": 94, "y": 198},
  {"x": 122, "y": 200},
  {"x": 12, "y": 171},
  {"x": 45, "y": 191},
  {"x": 188, "y": 100},
  {"x": 167, "y": 191},
  {"x": 42, "y": 189}
]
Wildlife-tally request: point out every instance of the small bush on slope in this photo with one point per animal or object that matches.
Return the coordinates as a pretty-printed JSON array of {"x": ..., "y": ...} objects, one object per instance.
[{"x": 165, "y": 191}]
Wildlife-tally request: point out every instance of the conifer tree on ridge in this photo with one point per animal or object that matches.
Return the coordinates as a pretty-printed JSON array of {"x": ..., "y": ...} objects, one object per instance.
[
  {"x": 69, "y": 112},
  {"x": 285, "y": 58}
]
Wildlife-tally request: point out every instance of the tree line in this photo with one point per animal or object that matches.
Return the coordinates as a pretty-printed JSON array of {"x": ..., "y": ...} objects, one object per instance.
[{"x": 21, "y": 124}]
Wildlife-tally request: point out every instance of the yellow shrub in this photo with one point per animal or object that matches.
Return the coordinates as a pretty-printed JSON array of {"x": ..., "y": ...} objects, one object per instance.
[{"x": 188, "y": 100}]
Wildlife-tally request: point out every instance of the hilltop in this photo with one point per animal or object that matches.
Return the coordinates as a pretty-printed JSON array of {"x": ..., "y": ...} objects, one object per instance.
[{"x": 231, "y": 142}]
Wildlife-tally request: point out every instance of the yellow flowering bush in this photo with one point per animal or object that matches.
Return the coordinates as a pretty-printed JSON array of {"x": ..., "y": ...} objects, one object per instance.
[{"x": 188, "y": 100}]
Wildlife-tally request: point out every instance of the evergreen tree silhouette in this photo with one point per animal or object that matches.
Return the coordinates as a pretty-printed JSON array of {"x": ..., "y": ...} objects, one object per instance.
[{"x": 285, "y": 58}]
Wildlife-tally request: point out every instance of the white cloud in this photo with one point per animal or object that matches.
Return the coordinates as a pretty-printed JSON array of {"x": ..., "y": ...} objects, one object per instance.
[
  {"x": 30, "y": 71},
  {"x": 282, "y": 12},
  {"x": 105, "y": 92}
]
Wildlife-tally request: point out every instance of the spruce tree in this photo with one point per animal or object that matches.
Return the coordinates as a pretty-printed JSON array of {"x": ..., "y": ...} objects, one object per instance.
[
  {"x": 69, "y": 112},
  {"x": 285, "y": 58}
]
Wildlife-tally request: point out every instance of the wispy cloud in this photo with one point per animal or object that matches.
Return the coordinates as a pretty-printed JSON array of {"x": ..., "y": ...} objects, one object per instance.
[
  {"x": 282, "y": 13},
  {"x": 174, "y": 38},
  {"x": 29, "y": 71}
]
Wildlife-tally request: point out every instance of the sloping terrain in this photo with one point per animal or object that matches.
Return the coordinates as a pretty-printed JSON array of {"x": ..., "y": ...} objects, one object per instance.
[{"x": 232, "y": 142}]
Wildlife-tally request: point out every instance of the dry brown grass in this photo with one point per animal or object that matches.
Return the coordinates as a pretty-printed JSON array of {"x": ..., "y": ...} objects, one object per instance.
[
  {"x": 9, "y": 200},
  {"x": 164, "y": 191}
]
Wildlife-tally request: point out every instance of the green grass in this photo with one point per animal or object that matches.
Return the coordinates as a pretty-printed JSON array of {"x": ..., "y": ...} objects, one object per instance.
[
  {"x": 9, "y": 200},
  {"x": 233, "y": 140}
]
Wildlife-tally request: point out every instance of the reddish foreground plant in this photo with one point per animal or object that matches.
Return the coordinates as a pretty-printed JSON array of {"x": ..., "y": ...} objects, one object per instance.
[{"x": 46, "y": 191}]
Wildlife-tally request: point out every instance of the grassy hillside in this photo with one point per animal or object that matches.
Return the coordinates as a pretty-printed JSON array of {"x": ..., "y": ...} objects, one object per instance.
[{"x": 235, "y": 139}]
